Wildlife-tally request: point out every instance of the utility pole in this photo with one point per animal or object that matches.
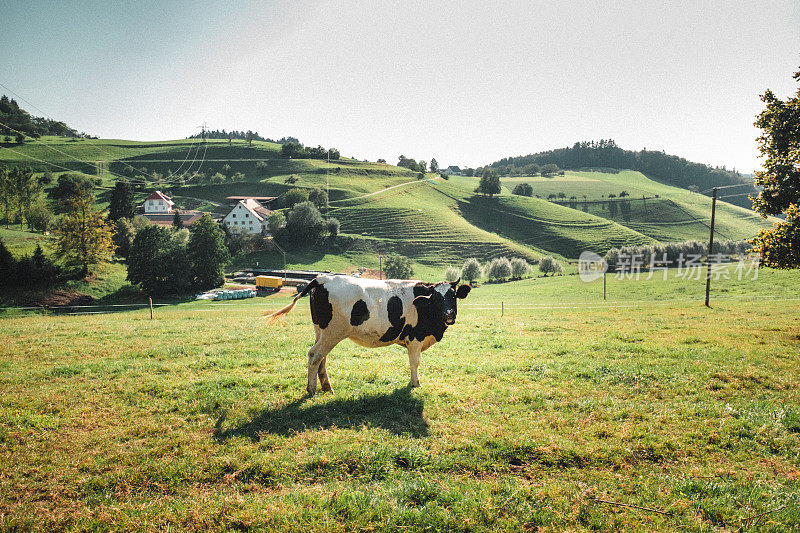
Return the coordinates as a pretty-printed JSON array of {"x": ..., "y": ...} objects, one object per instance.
[{"x": 710, "y": 246}]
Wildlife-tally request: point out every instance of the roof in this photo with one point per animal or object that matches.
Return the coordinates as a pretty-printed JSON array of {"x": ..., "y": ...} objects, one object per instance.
[
  {"x": 158, "y": 195},
  {"x": 235, "y": 199},
  {"x": 259, "y": 211},
  {"x": 188, "y": 218},
  {"x": 453, "y": 168}
]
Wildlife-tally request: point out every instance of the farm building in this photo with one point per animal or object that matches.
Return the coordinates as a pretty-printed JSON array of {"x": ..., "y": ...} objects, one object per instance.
[
  {"x": 452, "y": 170},
  {"x": 158, "y": 203},
  {"x": 248, "y": 214},
  {"x": 263, "y": 200},
  {"x": 160, "y": 209}
]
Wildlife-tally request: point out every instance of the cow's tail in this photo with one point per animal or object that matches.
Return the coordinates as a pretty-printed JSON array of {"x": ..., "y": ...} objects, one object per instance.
[{"x": 285, "y": 310}]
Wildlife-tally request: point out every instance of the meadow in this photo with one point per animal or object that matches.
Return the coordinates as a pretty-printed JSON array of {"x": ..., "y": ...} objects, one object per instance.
[{"x": 644, "y": 412}]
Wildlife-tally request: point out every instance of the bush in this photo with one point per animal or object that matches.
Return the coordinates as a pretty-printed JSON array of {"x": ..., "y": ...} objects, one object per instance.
[
  {"x": 471, "y": 270},
  {"x": 498, "y": 269},
  {"x": 452, "y": 274},
  {"x": 398, "y": 267},
  {"x": 40, "y": 217},
  {"x": 519, "y": 268},
  {"x": 548, "y": 265},
  {"x": 333, "y": 225},
  {"x": 523, "y": 189},
  {"x": 305, "y": 223},
  {"x": 319, "y": 197},
  {"x": 295, "y": 196},
  {"x": 275, "y": 221}
]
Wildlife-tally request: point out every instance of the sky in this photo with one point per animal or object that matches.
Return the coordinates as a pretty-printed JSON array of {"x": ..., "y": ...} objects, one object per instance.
[{"x": 465, "y": 82}]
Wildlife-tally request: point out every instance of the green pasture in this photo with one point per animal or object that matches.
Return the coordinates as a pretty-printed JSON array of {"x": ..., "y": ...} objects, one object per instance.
[{"x": 683, "y": 417}]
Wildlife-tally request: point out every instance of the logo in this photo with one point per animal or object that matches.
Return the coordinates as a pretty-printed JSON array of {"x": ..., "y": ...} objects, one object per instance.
[{"x": 591, "y": 266}]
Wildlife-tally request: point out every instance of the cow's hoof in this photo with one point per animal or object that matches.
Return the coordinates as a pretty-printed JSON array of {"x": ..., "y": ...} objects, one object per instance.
[
  {"x": 415, "y": 385},
  {"x": 310, "y": 392},
  {"x": 326, "y": 388}
]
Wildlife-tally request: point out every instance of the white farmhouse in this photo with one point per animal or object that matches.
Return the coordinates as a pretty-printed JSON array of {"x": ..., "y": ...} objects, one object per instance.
[
  {"x": 158, "y": 203},
  {"x": 248, "y": 214}
]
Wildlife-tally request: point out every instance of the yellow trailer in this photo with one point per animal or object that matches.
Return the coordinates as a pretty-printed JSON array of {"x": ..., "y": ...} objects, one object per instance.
[{"x": 269, "y": 282}]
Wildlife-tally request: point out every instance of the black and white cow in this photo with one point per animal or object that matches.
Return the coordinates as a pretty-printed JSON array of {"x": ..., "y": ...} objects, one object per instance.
[{"x": 376, "y": 313}]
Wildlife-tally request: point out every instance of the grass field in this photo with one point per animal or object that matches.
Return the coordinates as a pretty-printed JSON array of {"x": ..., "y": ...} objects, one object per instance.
[{"x": 197, "y": 420}]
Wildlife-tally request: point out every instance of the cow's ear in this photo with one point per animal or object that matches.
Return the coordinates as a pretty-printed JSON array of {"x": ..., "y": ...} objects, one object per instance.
[
  {"x": 419, "y": 301},
  {"x": 463, "y": 291},
  {"x": 455, "y": 283}
]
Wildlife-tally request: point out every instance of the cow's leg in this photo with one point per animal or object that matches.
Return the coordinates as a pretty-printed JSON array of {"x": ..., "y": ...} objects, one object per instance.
[
  {"x": 316, "y": 358},
  {"x": 324, "y": 381},
  {"x": 414, "y": 352}
]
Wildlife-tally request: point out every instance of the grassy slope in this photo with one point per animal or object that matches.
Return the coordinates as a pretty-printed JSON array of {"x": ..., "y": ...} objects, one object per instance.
[
  {"x": 197, "y": 420},
  {"x": 676, "y": 215}
]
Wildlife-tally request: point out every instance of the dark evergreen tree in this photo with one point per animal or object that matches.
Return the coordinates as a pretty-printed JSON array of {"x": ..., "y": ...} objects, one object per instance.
[
  {"x": 207, "y": 254},
  {"x": 8, "y": 266},
  {"x": 121, "y": 204},
  {"x": 177, "y": 221}
]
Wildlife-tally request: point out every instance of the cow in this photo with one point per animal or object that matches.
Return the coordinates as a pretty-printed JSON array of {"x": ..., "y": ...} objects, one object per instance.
[{"x": 375, "y": 313}]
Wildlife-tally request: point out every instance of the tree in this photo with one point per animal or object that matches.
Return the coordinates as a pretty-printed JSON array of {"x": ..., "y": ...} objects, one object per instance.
[
  {"x": 549, "y": 169},
  {"x": 398, "y": 267},
  {"x": 451, "y": 273},
  {"x": 779, "y": 143},
  {"x": 207, "y": 254},
  {"x": 693, "y": 188},
  {"x": 68, "y": 186},
  {"x": 471, "y": 270},
  {"x": 123, "y": 237},
  {"x": 121, "y": 204},
  {"x": 294, "y": 196},
  {"x": 177, "y": 221},
  {"x": 305, "y": 222},
  {"x": 275, "y": 221},
  {"x": 7, "y": 196},
  {"x": 498, "y": 269},
  {"x": 318, "y": 197},
  {"x": 435, "y": 167},
  {"x": 519, "y": 268},
  {"x": 84, "y": 237},
  {"x": 26, "y": 187},
  {"x": 39, "y": 216},
  {"x": 548, "y": 264},
  {"x": 158, "y": 261},
  {"x": 490, "y": 183},
  {"x": 8, "y": 266},
  {"x": 333, "y": 225},
  {"x": 523, "y": 189}
]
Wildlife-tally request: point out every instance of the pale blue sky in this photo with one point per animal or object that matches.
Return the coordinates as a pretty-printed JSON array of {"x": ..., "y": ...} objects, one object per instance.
[{"x": 465, "y": 82}]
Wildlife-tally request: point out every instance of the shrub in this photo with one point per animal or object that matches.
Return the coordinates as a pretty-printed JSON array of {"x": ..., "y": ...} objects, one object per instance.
[
  {"x": 471, "y": 270},
  {"x": 523, "y": 189},
  {"x": 333, "y": 225},
  {"x": 293, "y": 197},
  {"x": 519, "y": 268},
  {"x": 498, "y": 269},
  {"x": 275, "y": 221},
  {"x": 452, "y": 274},
  {"x": 398, "y": 267},
  {"x": 305, "y": 222},
  {"x": 548, "y": 265}
]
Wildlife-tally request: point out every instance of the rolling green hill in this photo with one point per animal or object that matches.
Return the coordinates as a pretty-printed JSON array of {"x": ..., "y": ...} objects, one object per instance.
[{"x": 386, "y": 208}]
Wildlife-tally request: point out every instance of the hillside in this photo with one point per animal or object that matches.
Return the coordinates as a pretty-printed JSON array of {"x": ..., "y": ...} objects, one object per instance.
[
  {"x": 666, "y": 168},
  {"x": 385, "y": 208}
]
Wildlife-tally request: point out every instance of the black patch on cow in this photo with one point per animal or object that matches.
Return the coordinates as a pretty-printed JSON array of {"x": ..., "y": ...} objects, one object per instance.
[
  {"x": 396, "y": 319},
  {"x": 423, "y": 289},
  {"x": 359, "y": 314},
  {"x": 429, "y": 319},
  {"x": 321, "y": 308}
]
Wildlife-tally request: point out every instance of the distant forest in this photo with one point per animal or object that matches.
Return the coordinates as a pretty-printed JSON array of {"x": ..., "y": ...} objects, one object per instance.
[
  {"x": 12, "y": 117},
  {"x": 242, "y": 135},
  {"x": 662, "y": 167}
]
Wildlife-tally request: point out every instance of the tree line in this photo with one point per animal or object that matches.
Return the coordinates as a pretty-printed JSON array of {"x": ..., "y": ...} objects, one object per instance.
[
  {"x": 606, "y": 154},
  {"x": 14, "y": 117},
  {"x": 240, "y": 135}
]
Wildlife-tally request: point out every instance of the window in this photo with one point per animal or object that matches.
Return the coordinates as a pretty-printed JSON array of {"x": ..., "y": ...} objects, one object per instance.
[
  {"x": 234, "y": 215},
  {"x": 247, "y": 215}
]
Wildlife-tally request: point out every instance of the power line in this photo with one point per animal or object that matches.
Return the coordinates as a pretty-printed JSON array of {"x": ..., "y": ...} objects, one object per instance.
[{"x": 727, "y": 187}]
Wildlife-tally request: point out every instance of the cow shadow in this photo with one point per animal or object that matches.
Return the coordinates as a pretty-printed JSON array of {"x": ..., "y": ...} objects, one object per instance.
[{"x": 398, "y": 412}]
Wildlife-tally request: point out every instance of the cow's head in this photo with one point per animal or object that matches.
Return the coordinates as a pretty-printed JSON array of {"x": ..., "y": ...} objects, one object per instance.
[{"x": 441, "y": 301}]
